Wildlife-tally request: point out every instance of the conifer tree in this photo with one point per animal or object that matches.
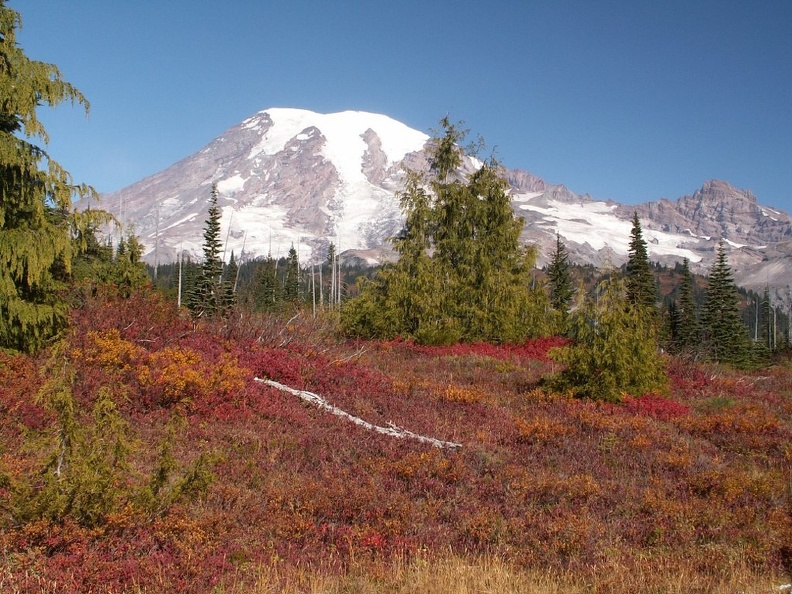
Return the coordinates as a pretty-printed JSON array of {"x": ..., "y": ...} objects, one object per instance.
[
  {"x": 229, "y": 281},
  {"x": 614, "y": 350},
  {"x": 560, "y": 278},
  {"x": 206, "y": 297},
  {"x": 291, "y": 280},
  {"x": 766, "y": 325},
  {"x": 725, "y": 336},
  {"x": 687, "y": 336},
  {"x": 641, "y": 289},
  {"x": 35, "y": 197},
  {"x": 461, "y": 273},
  {"x": 265, "y": 283}
]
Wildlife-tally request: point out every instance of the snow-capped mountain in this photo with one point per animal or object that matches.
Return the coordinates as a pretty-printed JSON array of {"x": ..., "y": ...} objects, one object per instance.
[{"x": 294, "y": 177}]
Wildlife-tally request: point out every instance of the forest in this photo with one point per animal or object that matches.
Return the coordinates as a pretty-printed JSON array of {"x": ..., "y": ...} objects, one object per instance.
[{"x": 455, "y": 421}]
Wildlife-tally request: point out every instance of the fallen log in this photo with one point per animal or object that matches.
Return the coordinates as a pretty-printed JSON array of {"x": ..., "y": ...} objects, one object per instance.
[{"x": 391, "y": 430}]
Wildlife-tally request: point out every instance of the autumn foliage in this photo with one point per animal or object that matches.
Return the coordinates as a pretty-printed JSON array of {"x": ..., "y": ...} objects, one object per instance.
[{"x": 688, "y": 482}]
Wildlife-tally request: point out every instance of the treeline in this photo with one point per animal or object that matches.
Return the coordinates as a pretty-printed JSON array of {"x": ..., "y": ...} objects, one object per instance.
[{"x": 463, "y": 275}]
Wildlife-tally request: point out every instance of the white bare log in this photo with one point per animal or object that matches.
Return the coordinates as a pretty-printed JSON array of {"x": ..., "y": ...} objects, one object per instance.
[{"x": 391, "y": 430}]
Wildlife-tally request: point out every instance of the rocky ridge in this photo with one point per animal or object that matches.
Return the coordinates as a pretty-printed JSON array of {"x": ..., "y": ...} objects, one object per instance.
[{"x": 293, "y": 177}]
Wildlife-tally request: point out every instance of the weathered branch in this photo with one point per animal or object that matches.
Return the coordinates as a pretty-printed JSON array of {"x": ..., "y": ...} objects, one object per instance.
[{"x": 391, "y": 430}]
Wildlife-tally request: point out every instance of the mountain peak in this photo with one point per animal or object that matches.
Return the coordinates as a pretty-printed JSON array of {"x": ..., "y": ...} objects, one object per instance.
[
  {"x": 717, "y": 189},
  {"x": 296, "y": 177}
]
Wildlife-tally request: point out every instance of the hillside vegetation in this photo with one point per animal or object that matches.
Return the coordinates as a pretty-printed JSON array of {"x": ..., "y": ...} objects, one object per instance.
[{"x": 213, "y": 482}]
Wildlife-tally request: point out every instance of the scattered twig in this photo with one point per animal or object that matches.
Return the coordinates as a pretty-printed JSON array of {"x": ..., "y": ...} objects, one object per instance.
[
  {"x": 391, "y": 430},
  {"x": 356, "y": 355}
]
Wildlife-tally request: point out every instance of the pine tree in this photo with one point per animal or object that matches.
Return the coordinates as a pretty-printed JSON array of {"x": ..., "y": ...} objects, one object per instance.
[
  {"x": 35, "y": 244},
  {"x": 229, "y": 282},
  {"x": 207, "y": 295},
  {"x": 614, "y": 350},
  {"x": 265, "y": 283},
  {"x": 766, "y": 325},
  {"x": 641, "y": 289},
  {"x": 725, "y": 336},
  {"x": 688, "y": 333},
  {"x": 461, "y": 272},
  {"x": 558, "y": 271},
  {"x": 291, "y": 280}
]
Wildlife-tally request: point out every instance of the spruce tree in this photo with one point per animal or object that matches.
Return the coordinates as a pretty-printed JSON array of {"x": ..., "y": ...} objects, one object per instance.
[
  {"x": 641, "y": 289},
  {"x": 688, "y": 334},
  {"x": 265, "y": 285},
  {"x": 461, "y": 272},
  {"x": 207, "y": 296},
  {"x": 725, "y": 336},
  {"x": 229, "y": 282},
  {"x": 614, "y": 350},
  {"x": 766, "y": 325},
  {"x": 558, "y": 272},
  {"x": 291, "y": 280},
  {"x": 35, "y": 197}
]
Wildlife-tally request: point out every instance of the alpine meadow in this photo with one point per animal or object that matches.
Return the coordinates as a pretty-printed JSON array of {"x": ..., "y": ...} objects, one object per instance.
[{"x": 457, "y": 419}]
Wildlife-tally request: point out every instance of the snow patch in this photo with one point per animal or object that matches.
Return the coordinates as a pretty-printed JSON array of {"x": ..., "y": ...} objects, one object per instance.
[
  {"x": 231, "y": 185},
  {"x": 344, "y": 146},
  {"x": 594, "y": 223}
]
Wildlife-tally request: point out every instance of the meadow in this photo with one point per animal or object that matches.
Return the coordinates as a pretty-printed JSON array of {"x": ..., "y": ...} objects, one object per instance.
[{"x": 229, "y": 485}]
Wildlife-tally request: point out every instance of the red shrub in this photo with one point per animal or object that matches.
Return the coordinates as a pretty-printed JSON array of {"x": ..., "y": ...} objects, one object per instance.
[{"x": 652, "y": 405}]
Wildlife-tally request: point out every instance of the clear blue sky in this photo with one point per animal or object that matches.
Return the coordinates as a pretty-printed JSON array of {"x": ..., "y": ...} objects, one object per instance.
[{"x": 629, "y": 100}]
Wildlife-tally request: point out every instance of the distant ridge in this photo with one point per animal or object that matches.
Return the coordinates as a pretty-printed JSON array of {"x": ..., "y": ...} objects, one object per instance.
[{"x": 296, "y": 177}]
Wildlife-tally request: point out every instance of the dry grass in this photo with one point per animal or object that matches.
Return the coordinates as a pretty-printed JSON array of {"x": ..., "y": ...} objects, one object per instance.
[{"x": 492, "y": 575}]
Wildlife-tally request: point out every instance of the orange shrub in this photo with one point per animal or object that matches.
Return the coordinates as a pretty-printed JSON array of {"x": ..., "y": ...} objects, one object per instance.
[
  {"x": 542, "y": 427},
  {"x": 466, "y": 395},
  {"x": 109, "y": 351},
  {"x": 174, "y": 375}
]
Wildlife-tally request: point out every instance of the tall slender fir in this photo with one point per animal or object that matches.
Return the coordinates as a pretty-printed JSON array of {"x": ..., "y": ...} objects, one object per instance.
[
  {"x": 560, "y": 278},
  {"x": 207, "y": 297},
  {"x": 725, "y": 336},
  {"x": 640, "y": 282}
]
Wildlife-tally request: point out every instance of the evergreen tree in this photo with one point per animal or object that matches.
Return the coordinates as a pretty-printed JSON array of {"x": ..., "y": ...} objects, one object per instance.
[
  {"x": 687, "y": 336},
  {"x": 558, "y": 271},
  {"x": 265, "y": 283},
  {"x": 291, "y": 280},
  {"x": 128, "y": 273},
  {"x": 725, "y": 336},
  {"x": 229, "y": 283},
  {"x": 35, "y": 197},
  {"x": 766, "y": 325},
  {"x": 461, "y": 273},
  {"x": 206, "y": 298},
  {"x": 614, "y": 350},
  {"x": 641, "y": 289}
]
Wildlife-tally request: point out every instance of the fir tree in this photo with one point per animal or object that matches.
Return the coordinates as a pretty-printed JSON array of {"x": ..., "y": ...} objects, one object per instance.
[
  {"x": 461, "y": 273},
  {"x": 558, "y": 272},
  {"x": 229, "y": 282},
  {"x": 265, "y": 283},
  {"x": 614, "y": 350},
  {"x": 641, "y": 289},
  {"x": 207, "y": 296},
  {"x": 687, "y": 335},
  {"x": 725, "y": 335},
  {"x": 291, "y": 280},
  {"x": 35, "y": 197},
  {"x": 766, "y": 326}
]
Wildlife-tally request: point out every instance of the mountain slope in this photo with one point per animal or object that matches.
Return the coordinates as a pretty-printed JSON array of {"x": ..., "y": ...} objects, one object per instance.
[{"x": 295, "y": 177}]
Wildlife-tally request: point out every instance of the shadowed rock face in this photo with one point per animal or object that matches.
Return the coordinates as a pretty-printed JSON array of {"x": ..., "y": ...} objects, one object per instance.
[
  {"x": 297, "y": 185},
  {"x": 719, "y": 210}
]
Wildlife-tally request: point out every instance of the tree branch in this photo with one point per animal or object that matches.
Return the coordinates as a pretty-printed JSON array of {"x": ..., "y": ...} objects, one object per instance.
[{"x": 391, "y": 430}]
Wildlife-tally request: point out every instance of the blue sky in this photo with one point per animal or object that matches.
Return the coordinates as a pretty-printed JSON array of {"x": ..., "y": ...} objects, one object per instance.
[{"x": 629, "y": 100}]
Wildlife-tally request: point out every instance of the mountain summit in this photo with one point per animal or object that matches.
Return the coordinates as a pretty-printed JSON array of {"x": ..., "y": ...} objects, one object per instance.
[{"x": 295, "y": 177}]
